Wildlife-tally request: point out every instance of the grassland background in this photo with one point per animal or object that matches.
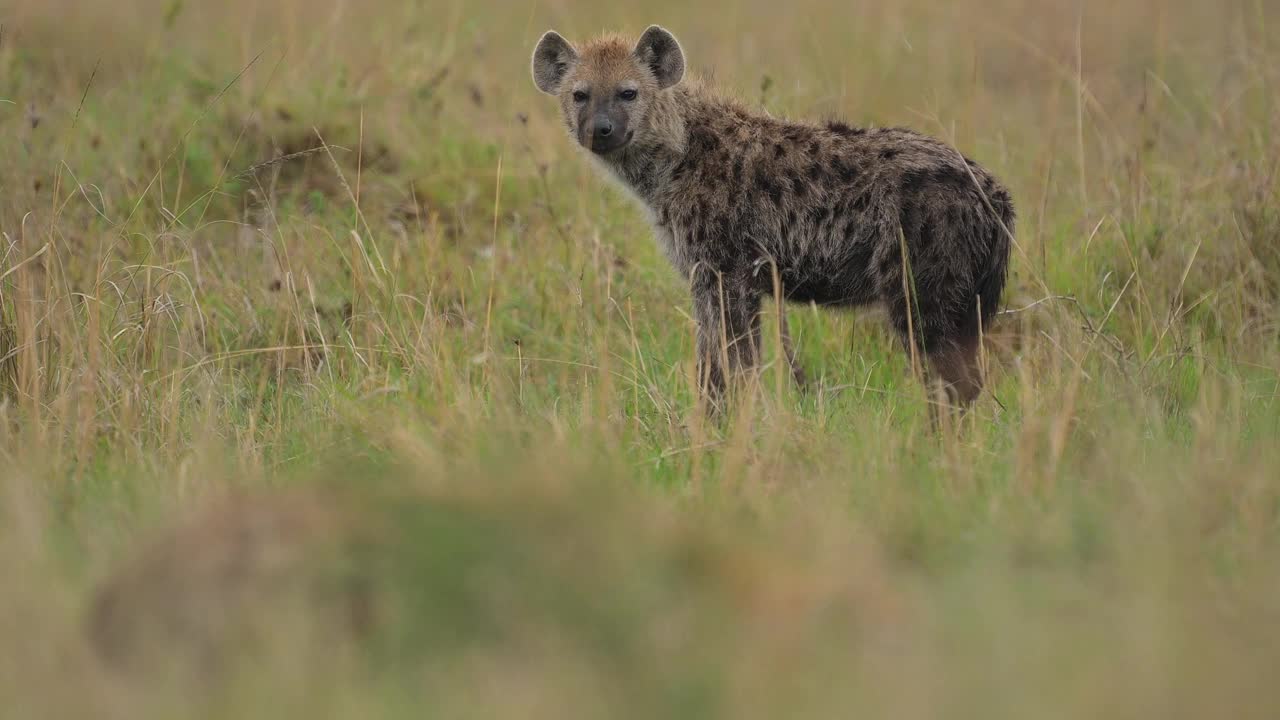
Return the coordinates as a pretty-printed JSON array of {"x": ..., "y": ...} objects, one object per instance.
[{"x": 333, "y": 383}]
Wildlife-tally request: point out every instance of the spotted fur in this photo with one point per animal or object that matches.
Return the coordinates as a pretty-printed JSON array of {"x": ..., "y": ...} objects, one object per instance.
[{"x": 734, "y": 195}]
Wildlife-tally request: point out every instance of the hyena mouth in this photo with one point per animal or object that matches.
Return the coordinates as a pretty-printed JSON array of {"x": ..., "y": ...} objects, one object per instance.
[{"x": 602, "y": 147}]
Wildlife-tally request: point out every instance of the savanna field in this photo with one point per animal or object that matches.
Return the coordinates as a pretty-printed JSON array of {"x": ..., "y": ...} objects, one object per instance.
[{"x": 335, "y": 383}]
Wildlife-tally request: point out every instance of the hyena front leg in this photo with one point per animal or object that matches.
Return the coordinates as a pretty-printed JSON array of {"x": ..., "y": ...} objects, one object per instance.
[{"x": 727, "y": 313}]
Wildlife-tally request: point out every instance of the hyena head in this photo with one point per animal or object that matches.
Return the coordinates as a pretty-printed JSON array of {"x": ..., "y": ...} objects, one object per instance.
[{"x": 608, "y": 89}]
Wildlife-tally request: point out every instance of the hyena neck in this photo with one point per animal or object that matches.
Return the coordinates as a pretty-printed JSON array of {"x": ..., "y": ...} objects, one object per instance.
[{"x": 646, "y": 166}]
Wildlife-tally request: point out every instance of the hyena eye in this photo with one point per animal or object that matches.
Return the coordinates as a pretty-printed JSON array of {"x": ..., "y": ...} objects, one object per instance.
[
  {"x": 579, "y": 96},
  {"x": 627, "y": 95}
]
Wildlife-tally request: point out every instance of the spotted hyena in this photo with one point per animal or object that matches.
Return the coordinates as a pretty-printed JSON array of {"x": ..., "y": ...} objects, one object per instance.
[{"x": 746, "y": 205}]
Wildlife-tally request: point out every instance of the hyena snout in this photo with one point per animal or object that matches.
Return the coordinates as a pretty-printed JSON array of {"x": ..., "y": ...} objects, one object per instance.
[
  {"x": 602, "y": 128},
  {"x": 605, "y": 131},
  {"x": 605, "y": 135}
]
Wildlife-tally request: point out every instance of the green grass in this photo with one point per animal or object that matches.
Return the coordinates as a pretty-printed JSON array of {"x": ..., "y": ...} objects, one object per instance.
[{"x": 333, "y": 382}]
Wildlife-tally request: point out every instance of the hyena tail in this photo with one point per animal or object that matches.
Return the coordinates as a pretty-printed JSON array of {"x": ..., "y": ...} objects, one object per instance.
[
  {"x": 956, "y": 363},
  {"x": 991, "y": 281}
]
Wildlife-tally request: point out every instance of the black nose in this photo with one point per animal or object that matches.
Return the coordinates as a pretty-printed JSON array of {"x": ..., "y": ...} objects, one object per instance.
[{"x": 603, "y": 128}]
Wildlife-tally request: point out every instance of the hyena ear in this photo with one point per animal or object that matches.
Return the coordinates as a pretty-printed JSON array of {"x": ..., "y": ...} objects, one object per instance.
[
  {"x": 659, "y": 50},
  {"x": 551, "y": 61}
]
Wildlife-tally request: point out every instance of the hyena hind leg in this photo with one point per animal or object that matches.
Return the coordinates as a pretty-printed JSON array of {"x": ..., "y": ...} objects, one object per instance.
[
  {"x": 956, "y": 366},
  {"x": 951, "y": 357}
]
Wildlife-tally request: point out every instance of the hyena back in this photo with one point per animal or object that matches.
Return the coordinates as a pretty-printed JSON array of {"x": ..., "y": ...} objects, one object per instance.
[{"x": 744, "y": 204}]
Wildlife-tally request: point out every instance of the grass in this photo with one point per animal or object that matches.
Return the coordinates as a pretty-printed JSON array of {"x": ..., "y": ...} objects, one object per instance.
[{"x": 333, "y": 383}]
